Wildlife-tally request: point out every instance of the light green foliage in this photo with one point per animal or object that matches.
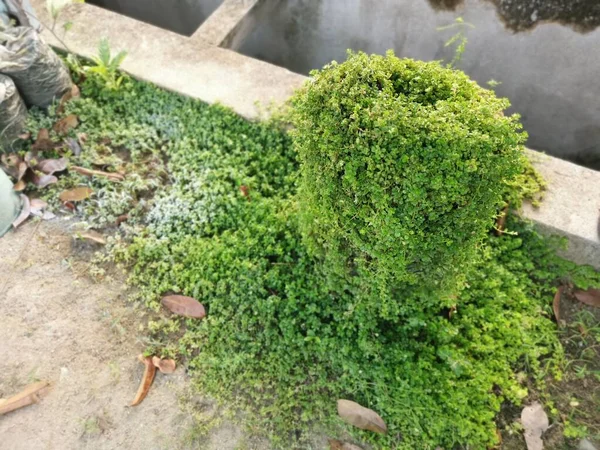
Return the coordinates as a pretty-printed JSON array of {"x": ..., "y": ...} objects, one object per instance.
[
  {"x": 278, "y": 343},
  {"x": 403, "y": 166},
  {"x": 459, "y": 38},
  {"x": 106, "y": 66}
]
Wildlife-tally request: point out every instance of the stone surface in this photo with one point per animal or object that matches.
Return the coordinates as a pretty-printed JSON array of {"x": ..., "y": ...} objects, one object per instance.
[
  {"x": 571, "y": 207},
  {"x": 230, "y": 24},
  {"x": 191, "y": 67},
  {"x": 586, "y": 445}
]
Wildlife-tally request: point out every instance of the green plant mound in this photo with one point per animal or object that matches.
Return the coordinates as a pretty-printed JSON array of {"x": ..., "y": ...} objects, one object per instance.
[
  {"x": 278, "y": 344},
  {"x": 403, "y": 166}
]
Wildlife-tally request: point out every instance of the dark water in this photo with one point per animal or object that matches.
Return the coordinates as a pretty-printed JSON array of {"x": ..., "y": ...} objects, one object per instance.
[
  {"x": 181, "y": 16},
  {"x": 545, "y": 53}
]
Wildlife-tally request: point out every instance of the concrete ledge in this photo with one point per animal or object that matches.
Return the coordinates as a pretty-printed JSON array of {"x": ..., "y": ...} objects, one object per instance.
[
  {"x": 189, "y": 66},
  {"x": 229, "y": 25},
  {"x": 571, "y": 207},
  {"x": 198, "y": 68}
]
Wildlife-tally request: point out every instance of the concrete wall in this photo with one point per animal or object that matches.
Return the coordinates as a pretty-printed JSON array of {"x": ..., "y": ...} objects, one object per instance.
[
  {"x": 548, "y": 70},
  {"x": 181, "y": 16}
]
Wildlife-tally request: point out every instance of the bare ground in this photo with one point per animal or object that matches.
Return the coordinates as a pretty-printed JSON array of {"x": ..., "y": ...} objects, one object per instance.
[{"x": 58, "y": 325}]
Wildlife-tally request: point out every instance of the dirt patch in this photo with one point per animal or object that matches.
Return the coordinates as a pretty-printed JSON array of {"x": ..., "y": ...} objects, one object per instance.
[
  {"x": 573, "y": 401},
  {"x": 84, "y": 338}
]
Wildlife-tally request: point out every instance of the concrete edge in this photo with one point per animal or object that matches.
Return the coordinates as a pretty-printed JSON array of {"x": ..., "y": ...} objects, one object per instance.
[
  {"x": 197, "y": 67},
  {"x": 229, "y": 24}
]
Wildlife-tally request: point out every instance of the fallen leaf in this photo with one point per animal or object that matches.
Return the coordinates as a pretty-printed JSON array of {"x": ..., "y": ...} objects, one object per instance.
[
  {"x": 122, "y": 218},
  {"x": 245, "y": 190},
  {"x": 184, "y": 306},
  {"x": 590, "y": 297},
  {"x": 349, "y": 446},
  {"x": 22, "y": 169},
  {"x": 19, "y": 185},
  {"x": 43, "y": 134},
  {"x": 361, "y": 417},
  {"x": 72, "y": 93},
  {"x": 82, "y": 138},
  {"x": 147, "y": 379},
  {"x": 164, "y": 365},
  {"x": 66, "y": 124},
  {"x": 75, "y": 195},
  {"x": 42, "y": 180},
  {"x": 25, "y": 211},
  {"x": 49, "y": 166},
  {"x": 37, "y": 205},
  {"x": 89, "y": 172},
  {"x": 31, "y": 158},
  {"x": 73, "y": 146},
  {"x": 535, "y": 422},
  {"x": 69, "y": 205},
  {"x": 501, "y": 221},
  {"x": 556, "y": 303},
  {"x": 93, "y": 236},
  {"x": 334, "y": 444},
  {"x": 25, "y": 136},
  {"x": 26, "y": 397},
  {"x": 42, "y": 141}
]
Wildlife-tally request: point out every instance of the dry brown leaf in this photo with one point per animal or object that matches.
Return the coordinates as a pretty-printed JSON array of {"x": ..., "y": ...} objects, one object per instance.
[
  {"x": 42, "y": 180},
  {"x": 361, "y": 417},
  {"x": 147, "y": 379},
  {"x": 66, "y": 124},
  {"x": 93, "y": 236},
  {"x": 73, "y": 146},
  {"x": 72, "y": 93},
  {"x": 49, "y": 166},
  {"x": 21, "y": 170},
  {"x": 75, "y": 195},
  {"x": 26, "y": 397},
  {"x": 590, "y": 297},
  {"x": 334, "y": 444},
  {"x": 122, "y": 218},
  {"x": 556, "y": 303},
  {"x": 89, "y": 172},
  {"x": 25, "y": 211},
  {"x": 19, "y": 185},
  {"x": 164, "y": 365},
  {"x": 42, "y": 141},
  {"x": 245, "y": 190},
  {"x": 36, "y": 206},
  {"x": 349, "y": 446},
  {"x": 501, "y": 221},
  {"x": 43, "y": 134},
  {"x": 184, "y": 306},
  {"x": 14, "y": 165},
  {"x": 535, "y": 422},
  {"x": 82, "y": 138}
]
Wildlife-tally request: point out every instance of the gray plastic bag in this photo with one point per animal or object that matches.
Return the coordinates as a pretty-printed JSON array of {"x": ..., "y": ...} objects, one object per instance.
[
  {"x": 13, "y": 113},
  {"x": 38, "y": 72}
]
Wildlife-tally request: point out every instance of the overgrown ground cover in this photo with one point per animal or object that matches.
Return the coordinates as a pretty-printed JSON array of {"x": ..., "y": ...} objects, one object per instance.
[{"x": 213, "y": 213}]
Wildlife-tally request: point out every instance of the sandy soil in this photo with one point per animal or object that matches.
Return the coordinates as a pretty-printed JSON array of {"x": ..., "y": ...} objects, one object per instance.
[{"x": 58, "y": 325}]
